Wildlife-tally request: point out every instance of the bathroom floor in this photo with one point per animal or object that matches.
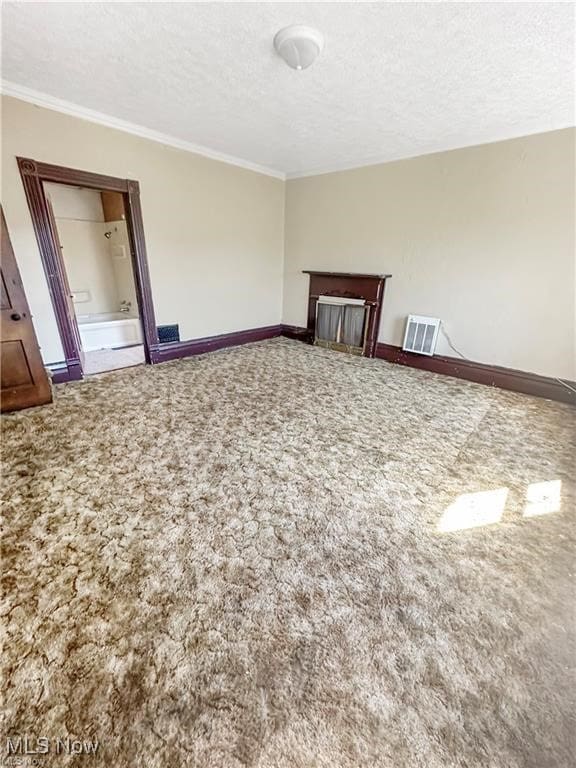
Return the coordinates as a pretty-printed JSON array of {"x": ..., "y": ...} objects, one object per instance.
[{"x": 111, "y": 359}]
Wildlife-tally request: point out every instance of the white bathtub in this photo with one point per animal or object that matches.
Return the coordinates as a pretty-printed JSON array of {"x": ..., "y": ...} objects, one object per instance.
[{"x": 108, "y": 330}]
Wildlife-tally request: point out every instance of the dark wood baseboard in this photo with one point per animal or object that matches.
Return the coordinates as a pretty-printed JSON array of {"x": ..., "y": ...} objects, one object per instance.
[
  {"x": 177, "y": 349},
  {"x": 491, "y": 375},
  {"x": 60, "y": 373},
  {"x": 298, "y": 333}
]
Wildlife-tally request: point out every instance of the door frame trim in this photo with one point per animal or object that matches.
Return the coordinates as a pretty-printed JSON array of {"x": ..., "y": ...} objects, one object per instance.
[{"x": 33, "y": 175}]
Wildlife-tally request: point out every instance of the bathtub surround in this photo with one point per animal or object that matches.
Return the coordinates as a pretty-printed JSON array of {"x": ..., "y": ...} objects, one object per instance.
[
  {"x": 119, "y": 246},
  {"x": 283, "y": 582},
  {"x": 88, "y": 264},
  {"x": 86, "y": 250}
]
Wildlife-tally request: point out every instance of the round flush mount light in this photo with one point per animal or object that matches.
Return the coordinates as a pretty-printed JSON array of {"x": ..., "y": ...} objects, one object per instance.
[{"x": 299, "y": 46}]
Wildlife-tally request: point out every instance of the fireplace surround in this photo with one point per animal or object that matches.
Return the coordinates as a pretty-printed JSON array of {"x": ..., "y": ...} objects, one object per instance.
[{"x": 347, "y": 328}]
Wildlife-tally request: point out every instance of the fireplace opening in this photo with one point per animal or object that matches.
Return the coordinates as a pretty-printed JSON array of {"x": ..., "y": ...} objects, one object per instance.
[
  {"x": 344, "y": 310},
  {"x": 341, "y": 324}
]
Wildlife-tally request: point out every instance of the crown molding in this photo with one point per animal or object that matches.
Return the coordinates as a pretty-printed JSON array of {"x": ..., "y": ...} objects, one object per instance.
[
  {"x": 59, "y": 105},
  {"x": 92, "y": 116}
]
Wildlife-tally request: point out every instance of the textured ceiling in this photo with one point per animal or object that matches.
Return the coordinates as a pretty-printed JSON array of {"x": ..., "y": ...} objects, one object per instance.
[{"x": 394, "y": 79}]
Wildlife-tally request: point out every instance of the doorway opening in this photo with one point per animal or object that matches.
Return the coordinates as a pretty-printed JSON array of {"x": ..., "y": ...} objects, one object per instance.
[
  {"x": 90, "y": 233},
  {"x": 93, "y": 239}
]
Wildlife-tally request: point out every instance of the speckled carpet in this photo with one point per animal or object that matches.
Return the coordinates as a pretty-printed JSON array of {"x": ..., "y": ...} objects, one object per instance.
[{"x": 278, "y": 556}]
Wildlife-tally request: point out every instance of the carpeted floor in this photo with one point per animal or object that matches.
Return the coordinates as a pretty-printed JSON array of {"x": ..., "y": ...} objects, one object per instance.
[{"x": 264, "y": 558}]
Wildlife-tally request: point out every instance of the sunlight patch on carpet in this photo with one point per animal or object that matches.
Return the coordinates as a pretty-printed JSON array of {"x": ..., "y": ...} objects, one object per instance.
[
  {"x": 543, "y": 498},
  {"x": 473, "y": 510}
]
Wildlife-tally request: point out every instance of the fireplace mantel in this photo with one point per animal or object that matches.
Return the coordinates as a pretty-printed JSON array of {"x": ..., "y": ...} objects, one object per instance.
[
  {"x": 346, "y": 275},
  {"x": 349, "y": 285}
]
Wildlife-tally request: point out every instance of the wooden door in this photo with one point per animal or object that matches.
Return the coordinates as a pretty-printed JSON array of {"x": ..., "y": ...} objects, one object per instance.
[
  {"x": 65, "y": 284},
  {"x": 24, "y": 378}
]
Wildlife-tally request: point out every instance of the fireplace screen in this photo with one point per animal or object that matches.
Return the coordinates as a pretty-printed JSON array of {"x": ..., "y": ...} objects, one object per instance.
[{"x": 341, "y": 326}]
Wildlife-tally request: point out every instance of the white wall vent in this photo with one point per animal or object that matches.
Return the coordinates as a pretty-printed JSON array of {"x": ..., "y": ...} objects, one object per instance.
[{"x": 421, "y": 334}]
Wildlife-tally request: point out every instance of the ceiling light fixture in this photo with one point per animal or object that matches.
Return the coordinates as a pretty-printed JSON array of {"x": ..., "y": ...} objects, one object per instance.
[{"x": 299, "y": 46}]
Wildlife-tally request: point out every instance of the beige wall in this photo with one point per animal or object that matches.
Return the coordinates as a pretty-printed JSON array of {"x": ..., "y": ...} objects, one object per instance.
[
  {"x": 214, "y": 232},
  {"x": 482, "y": 238}
]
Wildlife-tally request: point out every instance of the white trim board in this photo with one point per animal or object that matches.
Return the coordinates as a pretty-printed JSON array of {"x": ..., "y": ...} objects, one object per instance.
[{"x": 92, "y": 116}]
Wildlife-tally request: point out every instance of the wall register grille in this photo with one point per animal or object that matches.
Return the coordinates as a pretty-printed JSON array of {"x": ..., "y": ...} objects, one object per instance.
[{"x": 421, "y": 334}]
